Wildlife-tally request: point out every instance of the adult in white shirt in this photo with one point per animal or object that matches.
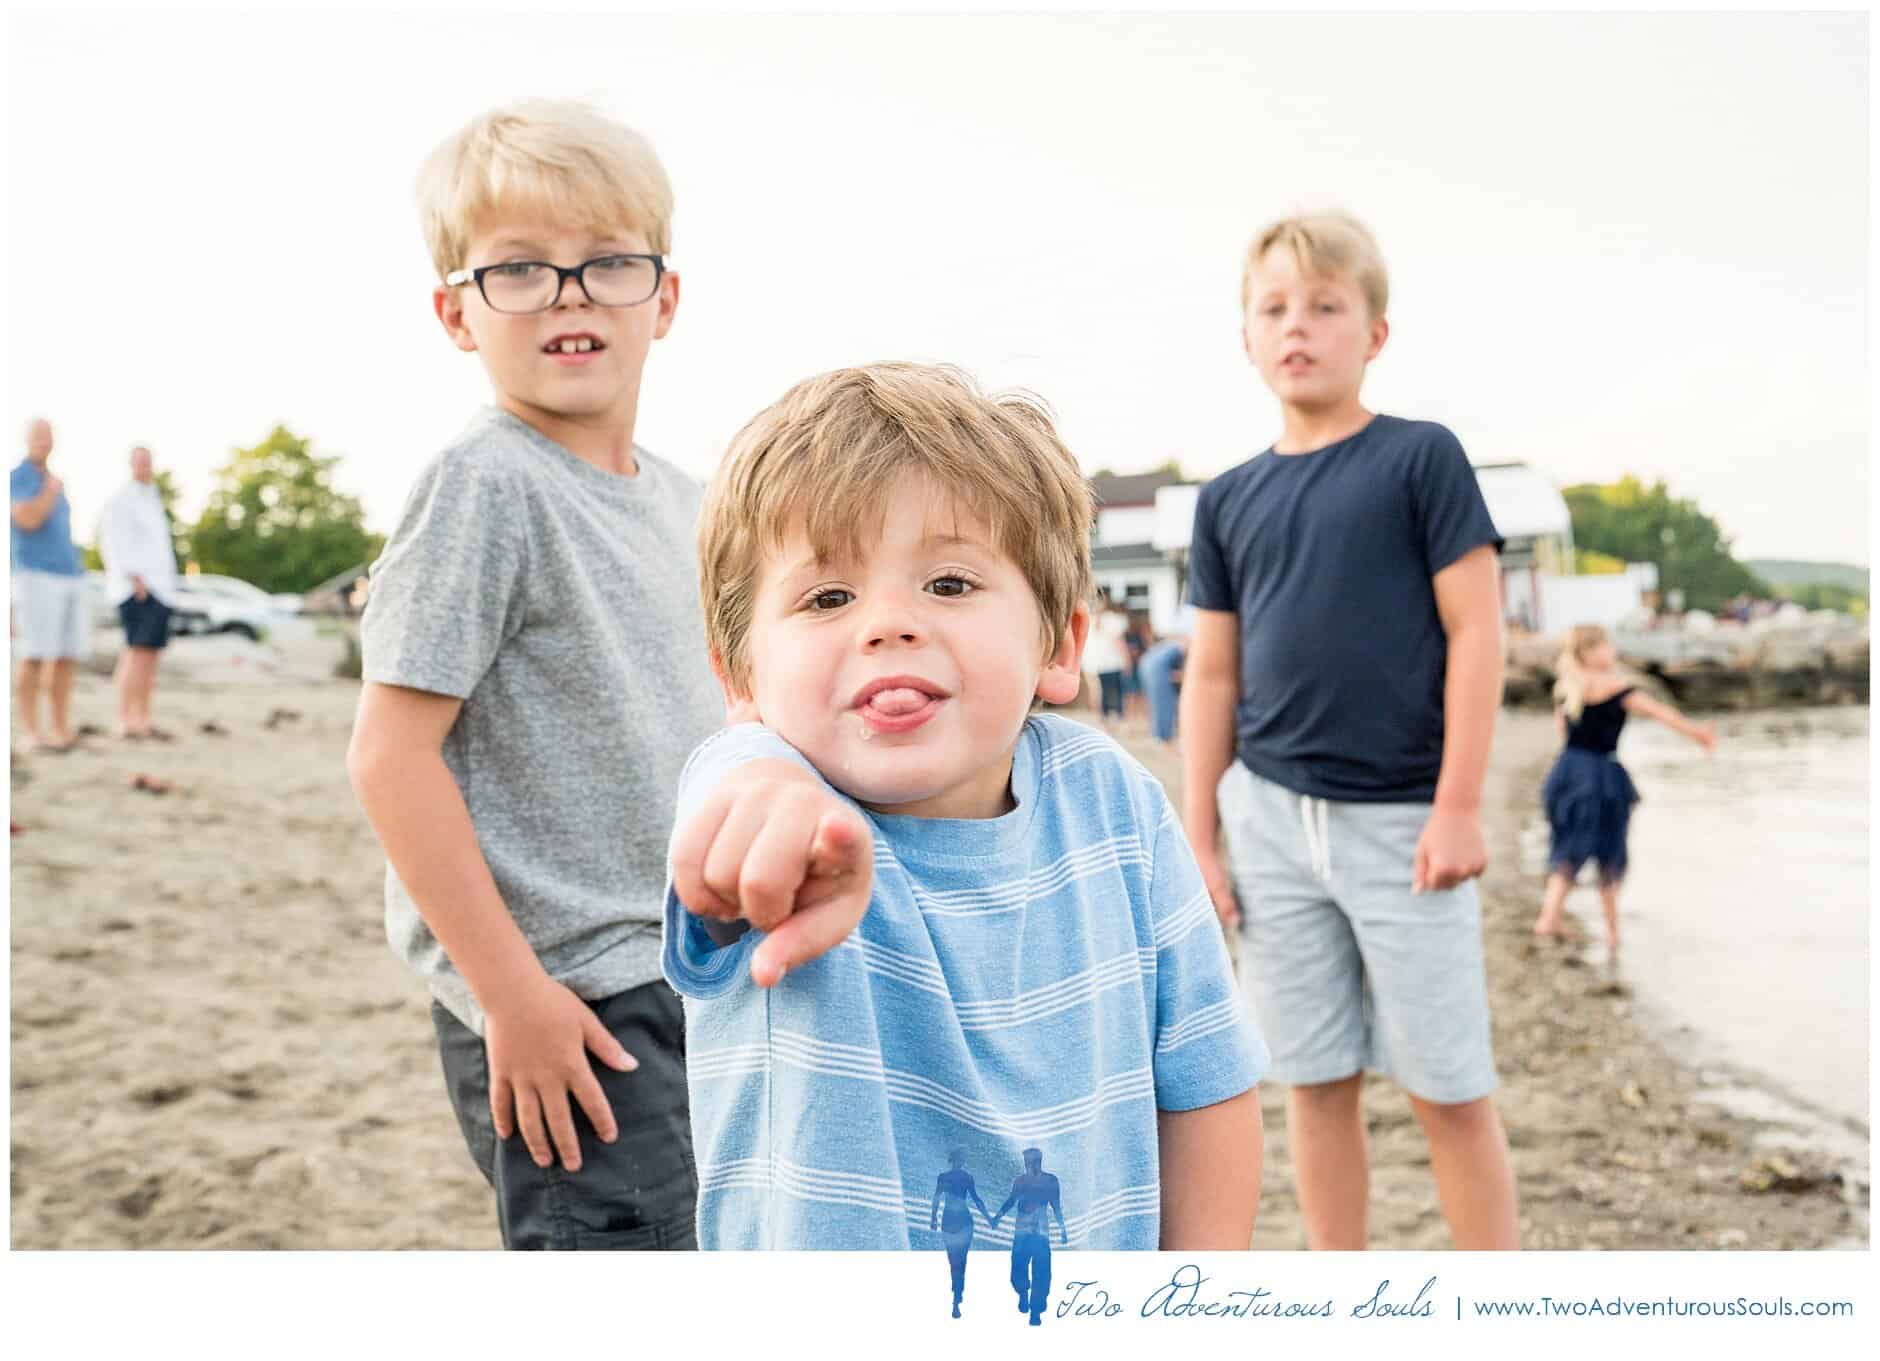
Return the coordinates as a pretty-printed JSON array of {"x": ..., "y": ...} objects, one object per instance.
[
  {"x": 1106, "y": 655},
  {"x": 140, "y": 575}
]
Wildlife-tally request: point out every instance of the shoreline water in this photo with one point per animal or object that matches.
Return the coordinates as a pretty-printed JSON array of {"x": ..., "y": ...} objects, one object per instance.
[{"x": 212, "y": 1046}]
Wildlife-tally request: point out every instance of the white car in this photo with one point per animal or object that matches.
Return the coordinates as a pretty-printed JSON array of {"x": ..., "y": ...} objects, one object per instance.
[{"x": 229, "y": 605}]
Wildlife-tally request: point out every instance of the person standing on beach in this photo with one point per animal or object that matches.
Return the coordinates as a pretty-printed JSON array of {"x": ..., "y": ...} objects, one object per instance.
[
  {"x": 1107, "y": 657},
  {"x": 534, "y": 676},
  {"x": 48, "y": 595},
  {"x": 1588, "y": 794},
  {"x": 140, "y": 575},
  {"x": 1348, "y": 650},
  {"x": 1159, "y": 668}
]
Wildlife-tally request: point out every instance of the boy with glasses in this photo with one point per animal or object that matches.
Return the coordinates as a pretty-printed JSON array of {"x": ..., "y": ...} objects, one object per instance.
[{"x": 534, "y": 681}]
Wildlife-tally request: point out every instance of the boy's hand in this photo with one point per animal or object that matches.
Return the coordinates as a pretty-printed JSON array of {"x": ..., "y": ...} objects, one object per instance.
[
  {"x": 538, "y": 1045},
  {"x": 1220, "y": 887},
  {"x": 1450, "y": 851},
  {"x": 771, "y": 845},
  {"x": 1705, "y": 735}
]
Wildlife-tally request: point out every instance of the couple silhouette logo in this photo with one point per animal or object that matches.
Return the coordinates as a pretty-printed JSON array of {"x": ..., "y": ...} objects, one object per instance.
[{"x": 1034, "y": 1191}]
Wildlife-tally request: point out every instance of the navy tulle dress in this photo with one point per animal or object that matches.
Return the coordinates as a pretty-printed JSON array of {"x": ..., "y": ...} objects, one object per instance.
[{"x": 1588, "y": 795}]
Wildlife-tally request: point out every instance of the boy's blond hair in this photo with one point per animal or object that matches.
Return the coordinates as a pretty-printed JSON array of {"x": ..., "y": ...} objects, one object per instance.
[
  {"x": 564, "y": 161},
  {"x": 1326, "y": 244},
  {"x": 826, "y": 453}
]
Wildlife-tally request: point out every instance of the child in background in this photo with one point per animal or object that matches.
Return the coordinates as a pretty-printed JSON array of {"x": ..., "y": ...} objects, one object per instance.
[
  {"x": 1588, "y": 794},
  {"x": 911, "y": 917}
]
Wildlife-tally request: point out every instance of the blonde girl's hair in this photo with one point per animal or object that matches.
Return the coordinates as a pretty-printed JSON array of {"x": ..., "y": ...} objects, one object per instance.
[{"x": 1570, "y": 668}]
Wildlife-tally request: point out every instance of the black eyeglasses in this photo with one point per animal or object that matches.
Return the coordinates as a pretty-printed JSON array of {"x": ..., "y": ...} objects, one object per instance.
[{"x": 535, "y": 285}]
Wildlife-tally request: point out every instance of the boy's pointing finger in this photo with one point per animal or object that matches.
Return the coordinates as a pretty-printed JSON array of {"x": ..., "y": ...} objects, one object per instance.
[{"x": 810, "y": 933}]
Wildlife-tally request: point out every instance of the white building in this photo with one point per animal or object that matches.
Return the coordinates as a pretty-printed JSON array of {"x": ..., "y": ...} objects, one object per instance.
[{"x": 1126, "y": 556}]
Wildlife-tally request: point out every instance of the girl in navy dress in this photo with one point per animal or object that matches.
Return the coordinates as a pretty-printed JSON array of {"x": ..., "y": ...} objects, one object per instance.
[{"x": 1588, "y": 794}]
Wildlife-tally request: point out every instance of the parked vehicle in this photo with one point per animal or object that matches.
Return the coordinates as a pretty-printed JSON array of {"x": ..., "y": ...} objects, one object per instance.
[
  {"x": 229, "y": 605},
  {"x": 343, "y": 595}
]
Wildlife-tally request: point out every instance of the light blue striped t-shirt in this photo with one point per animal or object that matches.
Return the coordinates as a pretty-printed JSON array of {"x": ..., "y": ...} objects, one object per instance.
[{"x": 1048, "y": 978}]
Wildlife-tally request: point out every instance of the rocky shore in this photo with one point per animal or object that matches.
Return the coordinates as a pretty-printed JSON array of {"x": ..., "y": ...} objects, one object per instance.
[{"x": 1704, "y": 664}]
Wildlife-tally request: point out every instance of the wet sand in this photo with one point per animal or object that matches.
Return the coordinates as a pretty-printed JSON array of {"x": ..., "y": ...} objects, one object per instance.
[{"x": 212, "y": 1046}]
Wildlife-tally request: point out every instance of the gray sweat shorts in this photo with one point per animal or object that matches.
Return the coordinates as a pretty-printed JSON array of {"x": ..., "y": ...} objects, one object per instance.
[{"x": 1347, "y": 968}]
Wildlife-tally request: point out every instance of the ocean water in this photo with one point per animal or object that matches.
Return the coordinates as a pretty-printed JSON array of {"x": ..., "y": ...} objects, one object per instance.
[{"x": 1746, "y": 915}]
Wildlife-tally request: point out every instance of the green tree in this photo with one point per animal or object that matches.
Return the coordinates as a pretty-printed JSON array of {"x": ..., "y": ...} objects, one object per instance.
[
  {"x": 1635, "y": 523},
  {"x": 1826, "y": 596},
  {"x": 275, "y": 519}
]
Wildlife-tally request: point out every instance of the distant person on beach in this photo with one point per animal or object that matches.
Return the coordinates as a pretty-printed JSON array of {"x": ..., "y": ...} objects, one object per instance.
[
  {"x": 1161, "y": 670},
  {"x": 1348, "y": 652},
  {"x": 1107, "y": 656},
  {"x": 49, "y": 620},
  {"x": 1033, "y": 1192},
  {"x": 895, "y": 567},
  {"x": 1588, "y": 794},
  {"x": 1137, "y": 640},
  {"x": 955, "y": 1189},
  {"x": 140, "y": 578},
  {"x": 533, "y": 681}
]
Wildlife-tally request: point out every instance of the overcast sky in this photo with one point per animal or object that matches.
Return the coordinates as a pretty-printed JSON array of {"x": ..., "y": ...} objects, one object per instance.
[{"x": 1617, "y": 243}]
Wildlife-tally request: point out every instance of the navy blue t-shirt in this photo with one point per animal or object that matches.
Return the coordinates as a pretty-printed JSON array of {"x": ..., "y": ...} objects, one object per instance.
[{"x": 1326, "y": 557}]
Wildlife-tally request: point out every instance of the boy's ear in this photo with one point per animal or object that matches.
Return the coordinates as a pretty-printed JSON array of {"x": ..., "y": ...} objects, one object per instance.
[
  {"x": 738, "y": 708},
  {"x": 449, "y": 308},
  {"x": 1063, "y": 673},
  {"x": 668, "y": 303},
  {"x": 1246, "y": 345},
  {"x": 1380, "y": 332}
]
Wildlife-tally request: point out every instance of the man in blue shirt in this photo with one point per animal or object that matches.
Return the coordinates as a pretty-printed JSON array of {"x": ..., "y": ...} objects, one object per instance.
[{"x": 48, "y": 593}]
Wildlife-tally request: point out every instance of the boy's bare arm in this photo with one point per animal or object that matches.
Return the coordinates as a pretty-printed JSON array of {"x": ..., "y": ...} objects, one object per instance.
[
  {"x": 538, "y": 1031},
  {"x": 1468, "y": 599},
  {"x": 1210, "y": 692},
  {"x": 1211, "y": 1174}
]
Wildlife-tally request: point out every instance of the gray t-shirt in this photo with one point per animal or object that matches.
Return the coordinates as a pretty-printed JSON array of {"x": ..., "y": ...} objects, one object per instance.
[{"x": 560, "y": 603}]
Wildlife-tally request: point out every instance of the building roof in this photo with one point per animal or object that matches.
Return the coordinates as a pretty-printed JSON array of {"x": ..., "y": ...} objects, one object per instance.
[
  {"x": 1134, "y": 489},
  {"x": 1118, "y": 554}
]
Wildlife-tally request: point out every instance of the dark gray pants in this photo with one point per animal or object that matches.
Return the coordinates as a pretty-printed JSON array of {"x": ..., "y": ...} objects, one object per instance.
[{"x": 641, "y": 1190}]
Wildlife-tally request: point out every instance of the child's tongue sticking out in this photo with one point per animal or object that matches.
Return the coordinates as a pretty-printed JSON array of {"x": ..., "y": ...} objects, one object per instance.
[{"x": 899, "y": 701}]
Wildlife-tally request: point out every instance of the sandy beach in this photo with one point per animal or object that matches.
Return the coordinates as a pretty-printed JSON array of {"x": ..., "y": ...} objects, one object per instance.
[{"x": 212, "y": 1046}]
